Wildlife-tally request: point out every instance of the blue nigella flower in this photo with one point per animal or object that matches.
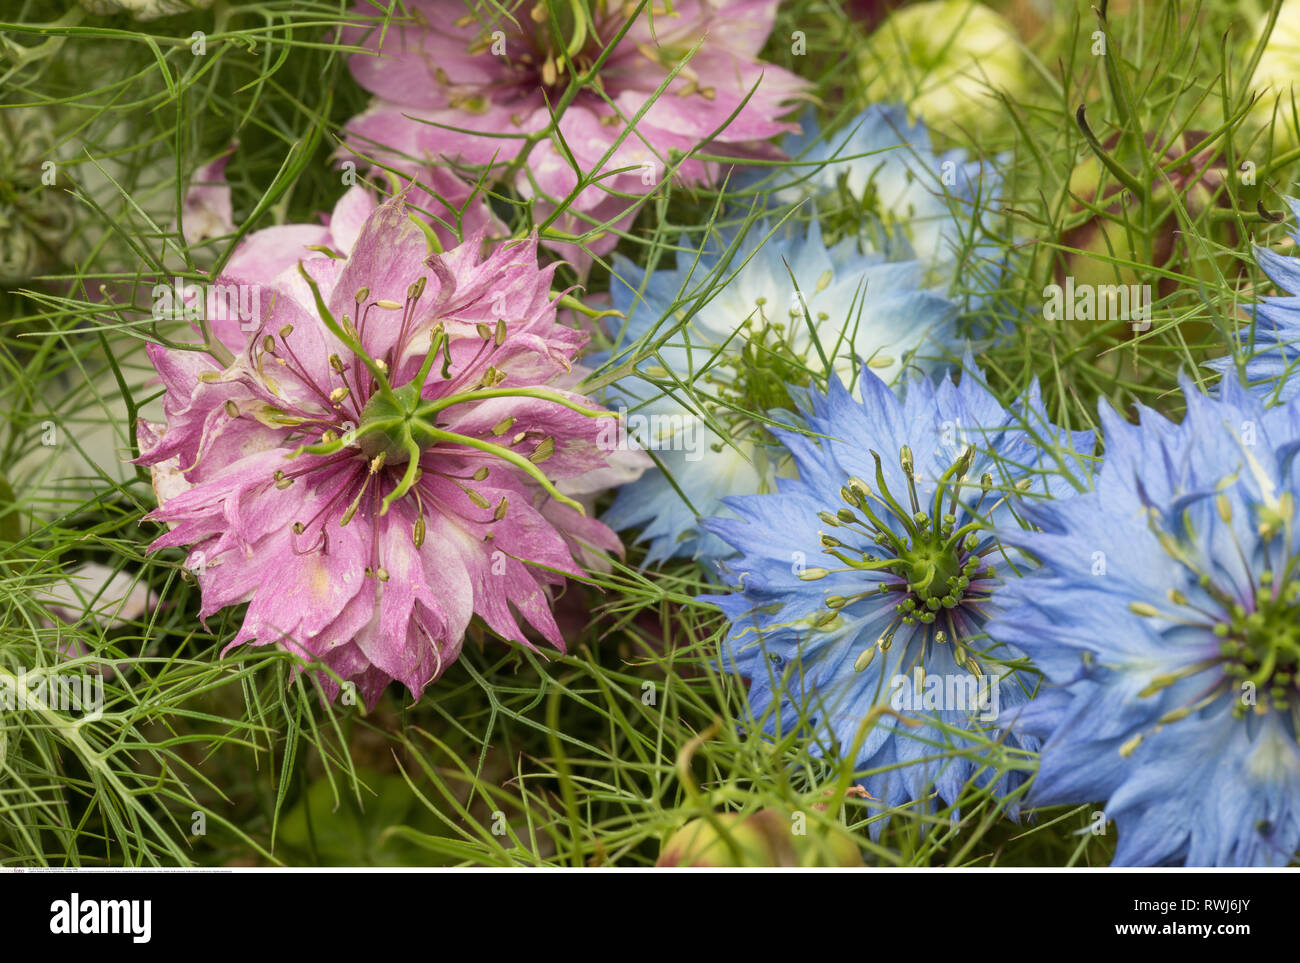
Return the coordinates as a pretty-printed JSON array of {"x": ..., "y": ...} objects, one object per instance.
[
  {"x": 1166, "y": 617},
  {"x": 867, "y": 581},
  {"x": 926, "y": 204},
  {"x": 1272, "y": 344},
  {"x": 742, "y": 360}
]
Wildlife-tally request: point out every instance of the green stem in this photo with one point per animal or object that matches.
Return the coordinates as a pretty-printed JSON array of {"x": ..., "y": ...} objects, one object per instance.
[
  {"x": 513, "y": 458},
  {"x": 408, "y": 476},
  {"x": 440, "y": 404},
  {"x": 1112, "y": 165}
]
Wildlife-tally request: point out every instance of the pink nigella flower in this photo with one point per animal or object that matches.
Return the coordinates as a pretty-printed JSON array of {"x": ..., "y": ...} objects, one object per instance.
[
  {"x": 207, "y": 203},
  {"x": 373, "y": 459},
  {"x": 497, "y": 77},
  {"x": 272, "y": 250}
]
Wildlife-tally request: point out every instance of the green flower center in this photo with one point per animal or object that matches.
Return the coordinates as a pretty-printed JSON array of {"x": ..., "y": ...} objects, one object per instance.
[
  {"x": 393, "y": 426},
  {"x": 935, "y": 565},
  {"x": 1259, "y": 646},
  {"x": 758, "y": 380},
  {"x": 398, "y": 424},
  {"x": 1263, "y": 646}
]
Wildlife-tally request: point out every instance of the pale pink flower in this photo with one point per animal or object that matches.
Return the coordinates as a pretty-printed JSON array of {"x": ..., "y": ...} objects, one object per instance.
[
  {"x": 496, "y": 77},
  {"x": 378, "y": 462},
  {"x": 207, "y": 203}
]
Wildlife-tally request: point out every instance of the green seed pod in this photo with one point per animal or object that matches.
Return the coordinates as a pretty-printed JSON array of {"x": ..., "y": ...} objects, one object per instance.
[
  {"x": 764, "y": 838},
  {"x": 1195, "y": 182},
  {"x": 941, "y": 58}
]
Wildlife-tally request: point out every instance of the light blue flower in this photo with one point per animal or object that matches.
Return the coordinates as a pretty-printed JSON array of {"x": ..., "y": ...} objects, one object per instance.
[
  {"x": 879, "y": 559},
  {"x": 1166, "y": 617},
  {"x": 1272, "y": 344},
  {"x": 736, "y": 335},
  {"x": 926, "y": 205}
]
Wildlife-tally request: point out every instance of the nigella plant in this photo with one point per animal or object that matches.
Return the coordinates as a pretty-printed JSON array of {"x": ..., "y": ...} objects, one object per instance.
[
  {"x": 1272, "y": 344},
  {"x": 371, "y": 458},
  {"x": 762, "y": 320},
  {"x": 1166, "y": 616},
  {"x": 607, "y": 90},
  {"x": 862, "y": 589}
]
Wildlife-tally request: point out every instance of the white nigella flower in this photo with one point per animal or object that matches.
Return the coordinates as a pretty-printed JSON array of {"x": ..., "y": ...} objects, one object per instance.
[
  {"x": 925, "y": 204},
  {"x": 742, "y": 361}
]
